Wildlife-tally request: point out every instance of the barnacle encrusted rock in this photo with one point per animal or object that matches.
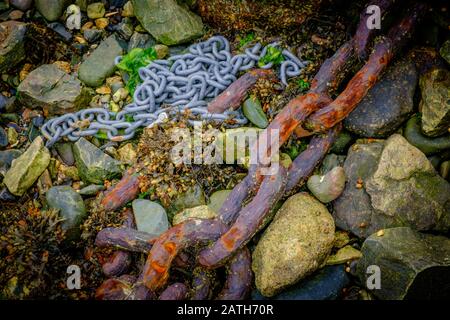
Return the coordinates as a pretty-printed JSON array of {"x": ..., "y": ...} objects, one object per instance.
[{"x": 294, "y": 245}]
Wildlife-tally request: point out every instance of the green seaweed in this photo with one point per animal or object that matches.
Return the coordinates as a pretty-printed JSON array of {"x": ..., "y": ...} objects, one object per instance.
[
  {"x": 273, "y": 55},
  {"x": 132, "y": 62},
  {"x": 247, "y": 39},
  {"x": 303, "y": 85}
]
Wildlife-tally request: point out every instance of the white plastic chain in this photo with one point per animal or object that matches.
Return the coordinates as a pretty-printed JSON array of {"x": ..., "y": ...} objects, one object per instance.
[{"x": 186, "y": 81}]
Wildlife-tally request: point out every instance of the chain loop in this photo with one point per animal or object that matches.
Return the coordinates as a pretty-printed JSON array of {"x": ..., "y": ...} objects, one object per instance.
[{"x": 182, "y": 82}]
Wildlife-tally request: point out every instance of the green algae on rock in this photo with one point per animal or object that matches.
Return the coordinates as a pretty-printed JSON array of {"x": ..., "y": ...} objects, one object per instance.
[
  {"x": 200, "y": 212},
  {"x": 435, "y": 104},
  {"x": 27, "y": 168},
  {"x": 167, "y": 21},
  {"x": 93, "y": 165}
]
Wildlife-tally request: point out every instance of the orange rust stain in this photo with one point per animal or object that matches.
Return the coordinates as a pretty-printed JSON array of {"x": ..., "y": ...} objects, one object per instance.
[
  {"x": 157, "y": 267},
  {"x": 170, "y": 247},
  {"x": 229, "y": 238}
]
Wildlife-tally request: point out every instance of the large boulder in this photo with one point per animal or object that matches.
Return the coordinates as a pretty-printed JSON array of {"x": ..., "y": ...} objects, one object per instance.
[
  {"x": 12, "y": 48},
  {"x": 54, "y": 90},
  {"x": 387, "y": 105},
  {"x": 390, "y": 184},
  {"x": 410, "y": 265},
  {"x": 94, "y": 166},
  {"x": 295, "y": 244},
  {"x": 167, "y": 21},
  {"x": 52, "y": 10},
  {"x": 27, "y": 168},
  {"x": 100, "y": 64},
  {"x": 435, "y": 104},
  {"x": 71, "y": 209}
]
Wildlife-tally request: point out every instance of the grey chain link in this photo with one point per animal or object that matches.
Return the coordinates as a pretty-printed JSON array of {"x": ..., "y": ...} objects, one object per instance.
[{"x": 182, "y": 82}]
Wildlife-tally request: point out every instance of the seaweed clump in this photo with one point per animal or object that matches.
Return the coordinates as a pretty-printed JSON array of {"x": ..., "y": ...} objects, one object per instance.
[{"x": 31, "y": 258}]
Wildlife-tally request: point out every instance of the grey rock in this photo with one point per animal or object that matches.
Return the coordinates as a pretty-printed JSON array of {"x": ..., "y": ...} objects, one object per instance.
[
  {"x": 92, "y": 190},
  {"x": 93, "y": 165},
  {"x": 328, "y": 187},
  {"x": 167, "y": 21},
  {"x": 193, "y": 197},
  {"x": 53, "y": 90},
  {"x": 3, "y": 138},
  {"x": 141, "y": 40},
  {"x": 66, "y": 153},
  {"x": 100, "y": 64},
  {"x": 52, "y": 10},
  {"x": 71, "y": 209},
  {"x": 389, "y": 184},
  {"x": 12, "y": 48},
  {"x": 150, "y": 217},
  {"x": 23, "y": 5},
  {"x": 92, "y": 35},
  {"x": 60, "y": 29},
  {"x": 6, "y": 158},
  {"x": 411, "y": 264},
  {"x": 330, "y": 162},
  {"x": 217, "y": 199},
  {"x": 294, "y": 245},
  {"x": 27, "y": 168},
  {"x": 125, "y": 29},
  {"x": 387, "y": 105},
  {"x": 435, "y": 104}
]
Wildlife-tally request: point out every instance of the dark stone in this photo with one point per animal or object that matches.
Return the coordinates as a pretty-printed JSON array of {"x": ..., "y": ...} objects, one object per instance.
[
  {"x": 61, "y": 30},
  {"x": 71, "y": 209},
  {"x": 3, "y": 138},
  {"x": 66, "y": 153},
  {"x": 92, "y": 35},
  {"x": 325, "y": 284},
  {"x": 12, "y": 48},
  {"x": 387, "y": 105},
  {"x": 412, "y": 264},
  {"x": 23, "y": 5},
  {"x": 6, "y": 158},
  {"x": 7, "y": 196},
  {"x": 391, "y": 184},
  {"x": 38, "y": 121},
  {"x": 3, "y": 103}
]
